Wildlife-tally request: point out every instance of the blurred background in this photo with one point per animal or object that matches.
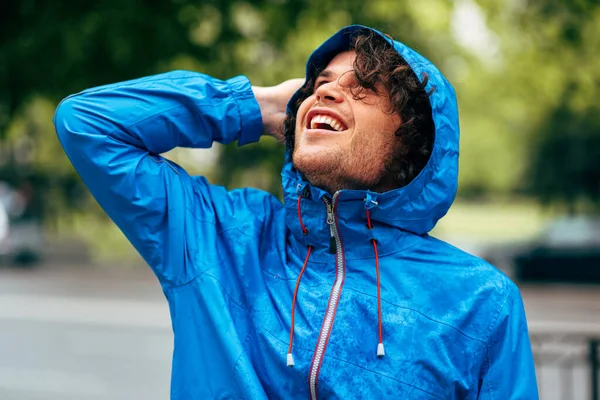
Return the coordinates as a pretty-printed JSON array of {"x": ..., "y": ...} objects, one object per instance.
[{"x": 81, "y": 317}]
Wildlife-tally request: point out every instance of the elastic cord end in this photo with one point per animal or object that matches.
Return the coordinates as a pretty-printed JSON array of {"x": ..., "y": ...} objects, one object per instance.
[
  {"x": 290, "y": 360},
  {"x": 380, "y": 351}
]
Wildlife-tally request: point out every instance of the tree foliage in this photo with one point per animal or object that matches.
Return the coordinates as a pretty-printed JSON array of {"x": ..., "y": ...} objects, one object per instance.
[
  {"x": 555, "y": 70},
  {"x": 511, "y": 77},
  {"x": 566, "y": 158}
]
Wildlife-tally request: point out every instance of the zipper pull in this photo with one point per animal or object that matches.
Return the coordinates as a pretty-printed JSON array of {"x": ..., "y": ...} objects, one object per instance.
[{"x": 330, "y": 222}]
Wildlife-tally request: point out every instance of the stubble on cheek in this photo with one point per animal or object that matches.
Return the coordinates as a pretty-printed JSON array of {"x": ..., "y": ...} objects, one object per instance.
[{"x": 365, "y": 166}]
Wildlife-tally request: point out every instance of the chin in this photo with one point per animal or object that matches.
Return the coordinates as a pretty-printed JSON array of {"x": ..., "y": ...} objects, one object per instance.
[
  {"x": 325, "y": 169},
  {"x": 314, "y": 164},
  {"x": 306, "y": 161}
]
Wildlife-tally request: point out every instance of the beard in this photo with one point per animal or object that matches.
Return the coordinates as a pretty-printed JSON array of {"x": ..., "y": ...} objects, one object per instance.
[
  {"x": 330, "y": 170},
  {"x": 320, "y": 170}
]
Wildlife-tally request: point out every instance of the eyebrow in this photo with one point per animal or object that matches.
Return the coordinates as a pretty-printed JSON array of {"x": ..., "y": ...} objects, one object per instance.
[{"x": 326, "y": 73}]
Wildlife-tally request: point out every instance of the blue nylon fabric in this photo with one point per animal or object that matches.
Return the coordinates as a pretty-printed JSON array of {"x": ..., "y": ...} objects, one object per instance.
[{"x": 453, "y": 326}]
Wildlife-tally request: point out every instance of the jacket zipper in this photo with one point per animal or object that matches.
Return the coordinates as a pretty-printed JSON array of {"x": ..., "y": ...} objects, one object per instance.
[
  {"x": 331, "y": 223},
  {"x": 340, "y": 275}
]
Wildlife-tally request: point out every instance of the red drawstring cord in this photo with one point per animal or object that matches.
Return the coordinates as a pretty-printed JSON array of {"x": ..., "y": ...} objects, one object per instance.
[
  {"x": 380, "y": 348},
  {"x": 290, "y": 357},
  {"x": 304, "y": 230}
]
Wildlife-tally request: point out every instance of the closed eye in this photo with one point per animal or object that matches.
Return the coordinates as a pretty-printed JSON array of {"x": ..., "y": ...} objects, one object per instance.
[
  {"x": 324, "y": 77},
  {"x": 320, "y": 83}
]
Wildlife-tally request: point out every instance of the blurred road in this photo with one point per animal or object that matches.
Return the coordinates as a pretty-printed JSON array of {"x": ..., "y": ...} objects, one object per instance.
[
  {"x": 83, "y": 334},
  {"x": 90, "y": 334}
]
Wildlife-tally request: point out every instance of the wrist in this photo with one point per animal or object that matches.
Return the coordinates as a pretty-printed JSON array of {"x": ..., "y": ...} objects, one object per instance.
[
  {"x": 269, "y": 109},
  {"x": 273, "y": 102}
]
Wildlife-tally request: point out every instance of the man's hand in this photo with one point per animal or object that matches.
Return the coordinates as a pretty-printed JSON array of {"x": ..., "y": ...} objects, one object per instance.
[{"x": 273, "y": 101}]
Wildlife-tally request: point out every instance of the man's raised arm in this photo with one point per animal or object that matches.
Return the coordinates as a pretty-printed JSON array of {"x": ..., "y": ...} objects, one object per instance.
[{"x": 114, "y": 134}]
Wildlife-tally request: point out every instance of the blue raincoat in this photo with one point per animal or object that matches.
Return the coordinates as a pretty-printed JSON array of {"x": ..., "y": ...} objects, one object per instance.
[{"x": 452, "y": 325}]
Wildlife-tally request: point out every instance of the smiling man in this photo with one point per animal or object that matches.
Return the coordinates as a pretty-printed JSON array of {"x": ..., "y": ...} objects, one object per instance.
[
  {"x": 339, "y": 292},
  {"x": 352, "y": 157}
]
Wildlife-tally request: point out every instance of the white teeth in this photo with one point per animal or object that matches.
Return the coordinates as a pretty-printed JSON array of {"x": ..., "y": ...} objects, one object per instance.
[{"x": 324, "y": 119}]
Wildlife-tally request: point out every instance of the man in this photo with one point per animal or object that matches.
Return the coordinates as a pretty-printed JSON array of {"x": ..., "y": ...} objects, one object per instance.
[{"x": 339, "y": 292}]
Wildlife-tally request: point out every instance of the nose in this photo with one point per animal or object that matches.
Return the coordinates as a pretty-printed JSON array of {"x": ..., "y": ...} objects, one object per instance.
[{"x": 329, "y": 92}]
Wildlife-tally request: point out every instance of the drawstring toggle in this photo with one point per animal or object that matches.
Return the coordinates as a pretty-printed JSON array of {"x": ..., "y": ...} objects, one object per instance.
[
  {"x": 290, "y": 360},
  {"x": 371, "y": 200},
  {"x": 380, "y": 351}
]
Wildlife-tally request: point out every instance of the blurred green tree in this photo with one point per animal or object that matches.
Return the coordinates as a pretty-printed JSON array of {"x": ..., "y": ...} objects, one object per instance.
[
  {"x": 510, "y": 61},
  {"x": 53, "y": 49},
  {"x": 553, "y": 80},
  {"x": 565, "y": 159}
]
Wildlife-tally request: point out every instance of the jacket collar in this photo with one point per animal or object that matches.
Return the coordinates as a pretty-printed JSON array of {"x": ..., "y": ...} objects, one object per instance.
[{"x": 350, "y": 215}]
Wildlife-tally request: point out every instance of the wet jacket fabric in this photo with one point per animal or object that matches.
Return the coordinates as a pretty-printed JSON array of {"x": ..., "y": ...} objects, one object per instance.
[{"x": 228, "y": 261}]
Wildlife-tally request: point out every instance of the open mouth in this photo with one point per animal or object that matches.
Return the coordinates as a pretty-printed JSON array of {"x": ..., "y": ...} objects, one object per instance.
[{"x": 325, "y": 122}]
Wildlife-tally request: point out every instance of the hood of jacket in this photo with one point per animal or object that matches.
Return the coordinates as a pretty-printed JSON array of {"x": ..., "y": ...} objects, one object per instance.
[{"x": 417, "y": 206}]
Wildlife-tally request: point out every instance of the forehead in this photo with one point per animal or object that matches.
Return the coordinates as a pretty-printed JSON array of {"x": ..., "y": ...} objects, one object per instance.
[{"x": 339, "y": 64}]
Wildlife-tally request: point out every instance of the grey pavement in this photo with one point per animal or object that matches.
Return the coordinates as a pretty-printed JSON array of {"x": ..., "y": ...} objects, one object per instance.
[
  {"x": 104, "y": 333},
  {"x": 83, "y": 333}
]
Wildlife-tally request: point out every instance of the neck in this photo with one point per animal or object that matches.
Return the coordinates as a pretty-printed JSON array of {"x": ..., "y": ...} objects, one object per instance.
[{"x": 332, "y": 184}]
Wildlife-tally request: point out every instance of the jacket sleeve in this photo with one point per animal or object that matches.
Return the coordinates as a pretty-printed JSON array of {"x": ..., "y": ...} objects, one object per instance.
[
  {"x": 509, "y": 373},
  {"x": 114, "y": 134}
]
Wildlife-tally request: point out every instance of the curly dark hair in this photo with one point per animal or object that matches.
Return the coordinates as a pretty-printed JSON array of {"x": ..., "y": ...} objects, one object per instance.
[{"x": 378, "y": 62}]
